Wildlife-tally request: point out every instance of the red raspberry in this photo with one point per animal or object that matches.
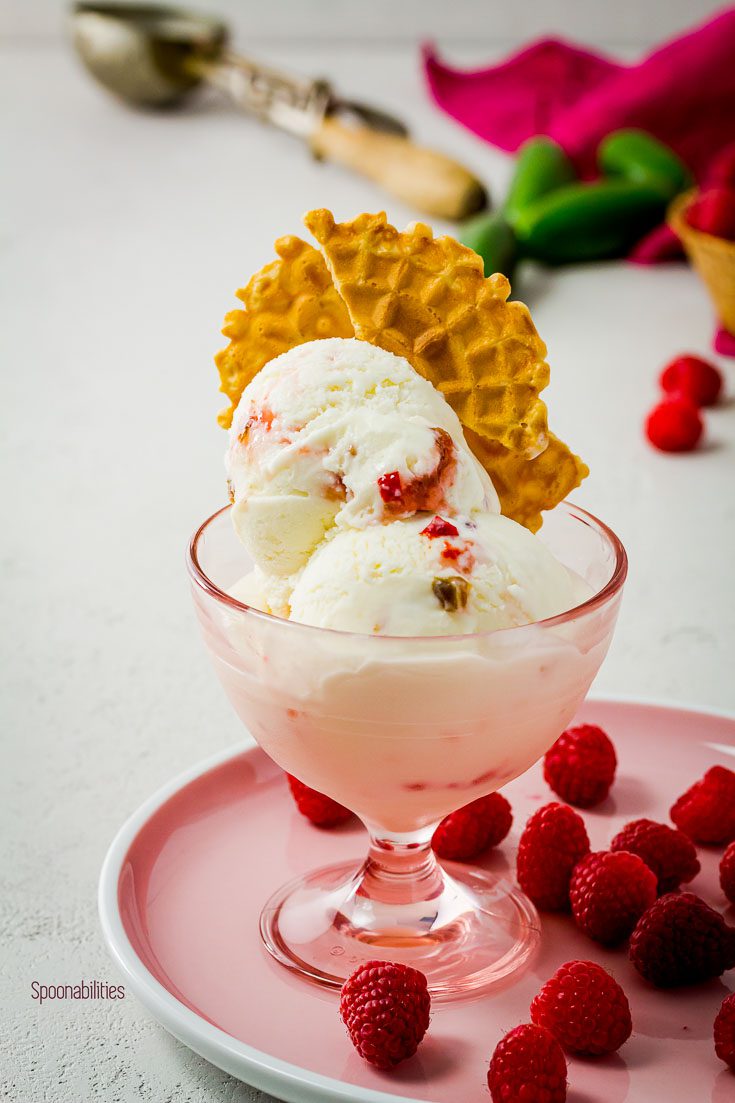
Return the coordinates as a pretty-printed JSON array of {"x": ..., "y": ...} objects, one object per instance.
[
  {"x": 706, "y": 812},
  {"x": 385, "y": 1007},
  {"x": 696, "y": 380},
  {"x": 391, "y": 487},
  {"x": 721, "y": 169},
  {"x": 675, "y": 425},
  {"x": 584, "y": 1008},
  {"x": 552, "y": 842},
  {"x": 727, "y": 873},
  {"x": 321, "y": 810},
  {"x": 713, "y": 212},
  {"x": 580, "y": 767},
  {"x": 681, "y": 940},
  {"x": 439, "y": 527},
  {"x": 609, "y": 893},
  {"x": 471, "y": 830},
  {"x": 725, "y": 1031},
  {"x": 669, "y": 853},
  {"x": 528, "y": 1065}
]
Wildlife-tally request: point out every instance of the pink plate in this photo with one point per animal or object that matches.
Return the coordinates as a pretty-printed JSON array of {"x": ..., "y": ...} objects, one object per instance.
[{"x": 183, "y": 883}]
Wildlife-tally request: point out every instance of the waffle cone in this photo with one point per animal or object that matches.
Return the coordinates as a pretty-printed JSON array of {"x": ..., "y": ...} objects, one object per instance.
[
  {"x": 290, "y": 301},
  {"x": 427, "y": 299},
  {"x": 713, "y": 257}
]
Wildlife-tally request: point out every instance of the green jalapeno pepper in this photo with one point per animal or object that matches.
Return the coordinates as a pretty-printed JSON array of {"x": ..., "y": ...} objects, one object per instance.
[
  {"x": 637, "y": 156},
  {"x": 493, "y": 239},
  {"x": 590, "y": 221},
  {"x": 541, "y": 167}
]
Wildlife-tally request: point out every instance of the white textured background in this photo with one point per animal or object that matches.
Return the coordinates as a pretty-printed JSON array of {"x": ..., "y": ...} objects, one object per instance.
[{"x": 122, "y": 239}]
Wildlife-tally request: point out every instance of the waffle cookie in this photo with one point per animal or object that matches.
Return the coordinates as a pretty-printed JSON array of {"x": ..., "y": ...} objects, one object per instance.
[
  {"x": 427, "y": 299},
  {"x": 290, "y": 301},
  {"x": 526, "y": 487}
]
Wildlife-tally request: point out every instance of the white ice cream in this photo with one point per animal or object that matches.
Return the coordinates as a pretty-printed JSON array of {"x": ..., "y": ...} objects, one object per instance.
[
  {"x": 364, "y": 510},
  {"x": 341, "y": 433},
  {"x": 399, "y": 580}
]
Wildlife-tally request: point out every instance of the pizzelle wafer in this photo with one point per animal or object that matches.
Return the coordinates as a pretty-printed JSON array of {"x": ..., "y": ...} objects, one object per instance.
[
  {"x": 394, "y": 287},
  {"x": 526, "y": 487},
  {"x": 427, "y": 299},
  {"x": 288, "y": 302}
]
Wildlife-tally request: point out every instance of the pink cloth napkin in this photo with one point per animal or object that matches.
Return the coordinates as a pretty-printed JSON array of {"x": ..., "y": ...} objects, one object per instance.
[{"x": 683, "y": 93}]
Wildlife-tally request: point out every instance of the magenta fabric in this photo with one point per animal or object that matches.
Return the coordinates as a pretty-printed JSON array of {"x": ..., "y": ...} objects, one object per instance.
[
  {"x": 724, "y": 342},
  {"x": 683, "y": 93},
  {"x": 523, "y": 96},
  {"x": 659, "y": 246}
]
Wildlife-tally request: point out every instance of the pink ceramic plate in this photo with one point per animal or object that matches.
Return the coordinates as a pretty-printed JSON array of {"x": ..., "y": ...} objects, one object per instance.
[{"x": 184, "y": 881}]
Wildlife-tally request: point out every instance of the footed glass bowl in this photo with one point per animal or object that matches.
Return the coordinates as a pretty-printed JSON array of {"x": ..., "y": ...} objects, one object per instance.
[{"x": 404, "y": 730}]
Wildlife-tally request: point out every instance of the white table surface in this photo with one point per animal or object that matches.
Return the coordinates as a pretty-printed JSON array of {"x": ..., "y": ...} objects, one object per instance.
[{"x": 124, "y": 238}]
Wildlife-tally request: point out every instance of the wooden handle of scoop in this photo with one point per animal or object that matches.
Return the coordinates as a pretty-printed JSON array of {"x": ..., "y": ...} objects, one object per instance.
[{"x": 419, "y": 177}]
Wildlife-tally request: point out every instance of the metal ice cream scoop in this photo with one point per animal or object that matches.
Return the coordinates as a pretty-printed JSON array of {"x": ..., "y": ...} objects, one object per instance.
[{"x": 155, "y": 56}]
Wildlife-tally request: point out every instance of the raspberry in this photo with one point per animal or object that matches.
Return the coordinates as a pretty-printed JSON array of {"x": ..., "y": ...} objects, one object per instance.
[
  {"x": 321, "y": 810},
  {"x": 725, "y": 1031},
  {"x": 609, "y": 893},
  {"x": 694, "y": 379},
  {"x": 528, "y": 1064},
  {"x": 385, "y": 1007},
  {"x": 580, "y": 766},
  {"x": 553, "y": 841},
  {"x": 706, "y": 812},
  {"x": 391, "y": 487},
  {"x": 439, "y": 527},
  {"x": 675, "y": 425},
  {"x": 584, "y": 1008},
  {"x": 669, "y": 853},
  {"x": 713, "y": 212},
  {"x": 721, "y": 169},
  {"x": 681, "y": 940},
  {"x": 727, "y": 873},
  {"x": 471, "y": 830}
]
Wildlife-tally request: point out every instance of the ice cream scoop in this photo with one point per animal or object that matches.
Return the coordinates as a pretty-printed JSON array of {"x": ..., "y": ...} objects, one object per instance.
[
  {"x": 432, "y": 577},
  {"x": 151, "y": 55},
  {"x": 342, "y": 433}
]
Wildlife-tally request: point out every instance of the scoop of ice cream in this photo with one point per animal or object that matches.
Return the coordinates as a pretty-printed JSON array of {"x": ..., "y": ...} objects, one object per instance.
[
  {"x": 342, "y": 433},
  {"x": 270, "y": 593},
  {"x": 429, "y": 577}
]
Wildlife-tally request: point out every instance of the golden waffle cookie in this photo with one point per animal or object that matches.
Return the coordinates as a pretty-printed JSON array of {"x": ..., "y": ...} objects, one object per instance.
[
  {"x": 427, "y": 299},
  {"x": 290, "y": 301},
  {"x": 525, "y": 487}
]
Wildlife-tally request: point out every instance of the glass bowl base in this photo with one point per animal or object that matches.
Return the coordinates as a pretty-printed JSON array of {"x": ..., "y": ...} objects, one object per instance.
[{"x": 470, "y": 936}]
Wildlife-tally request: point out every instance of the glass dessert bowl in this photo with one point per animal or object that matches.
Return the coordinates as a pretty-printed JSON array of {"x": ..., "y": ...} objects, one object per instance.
[{"x": 403, "y": 731}]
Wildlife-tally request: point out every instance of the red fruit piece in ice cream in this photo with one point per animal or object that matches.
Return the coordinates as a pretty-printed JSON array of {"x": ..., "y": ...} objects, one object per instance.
[
  {"x": 391, "y": 487},
  {"x": 426, "y": 492},
  {"x": 439, "y": 527}
]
